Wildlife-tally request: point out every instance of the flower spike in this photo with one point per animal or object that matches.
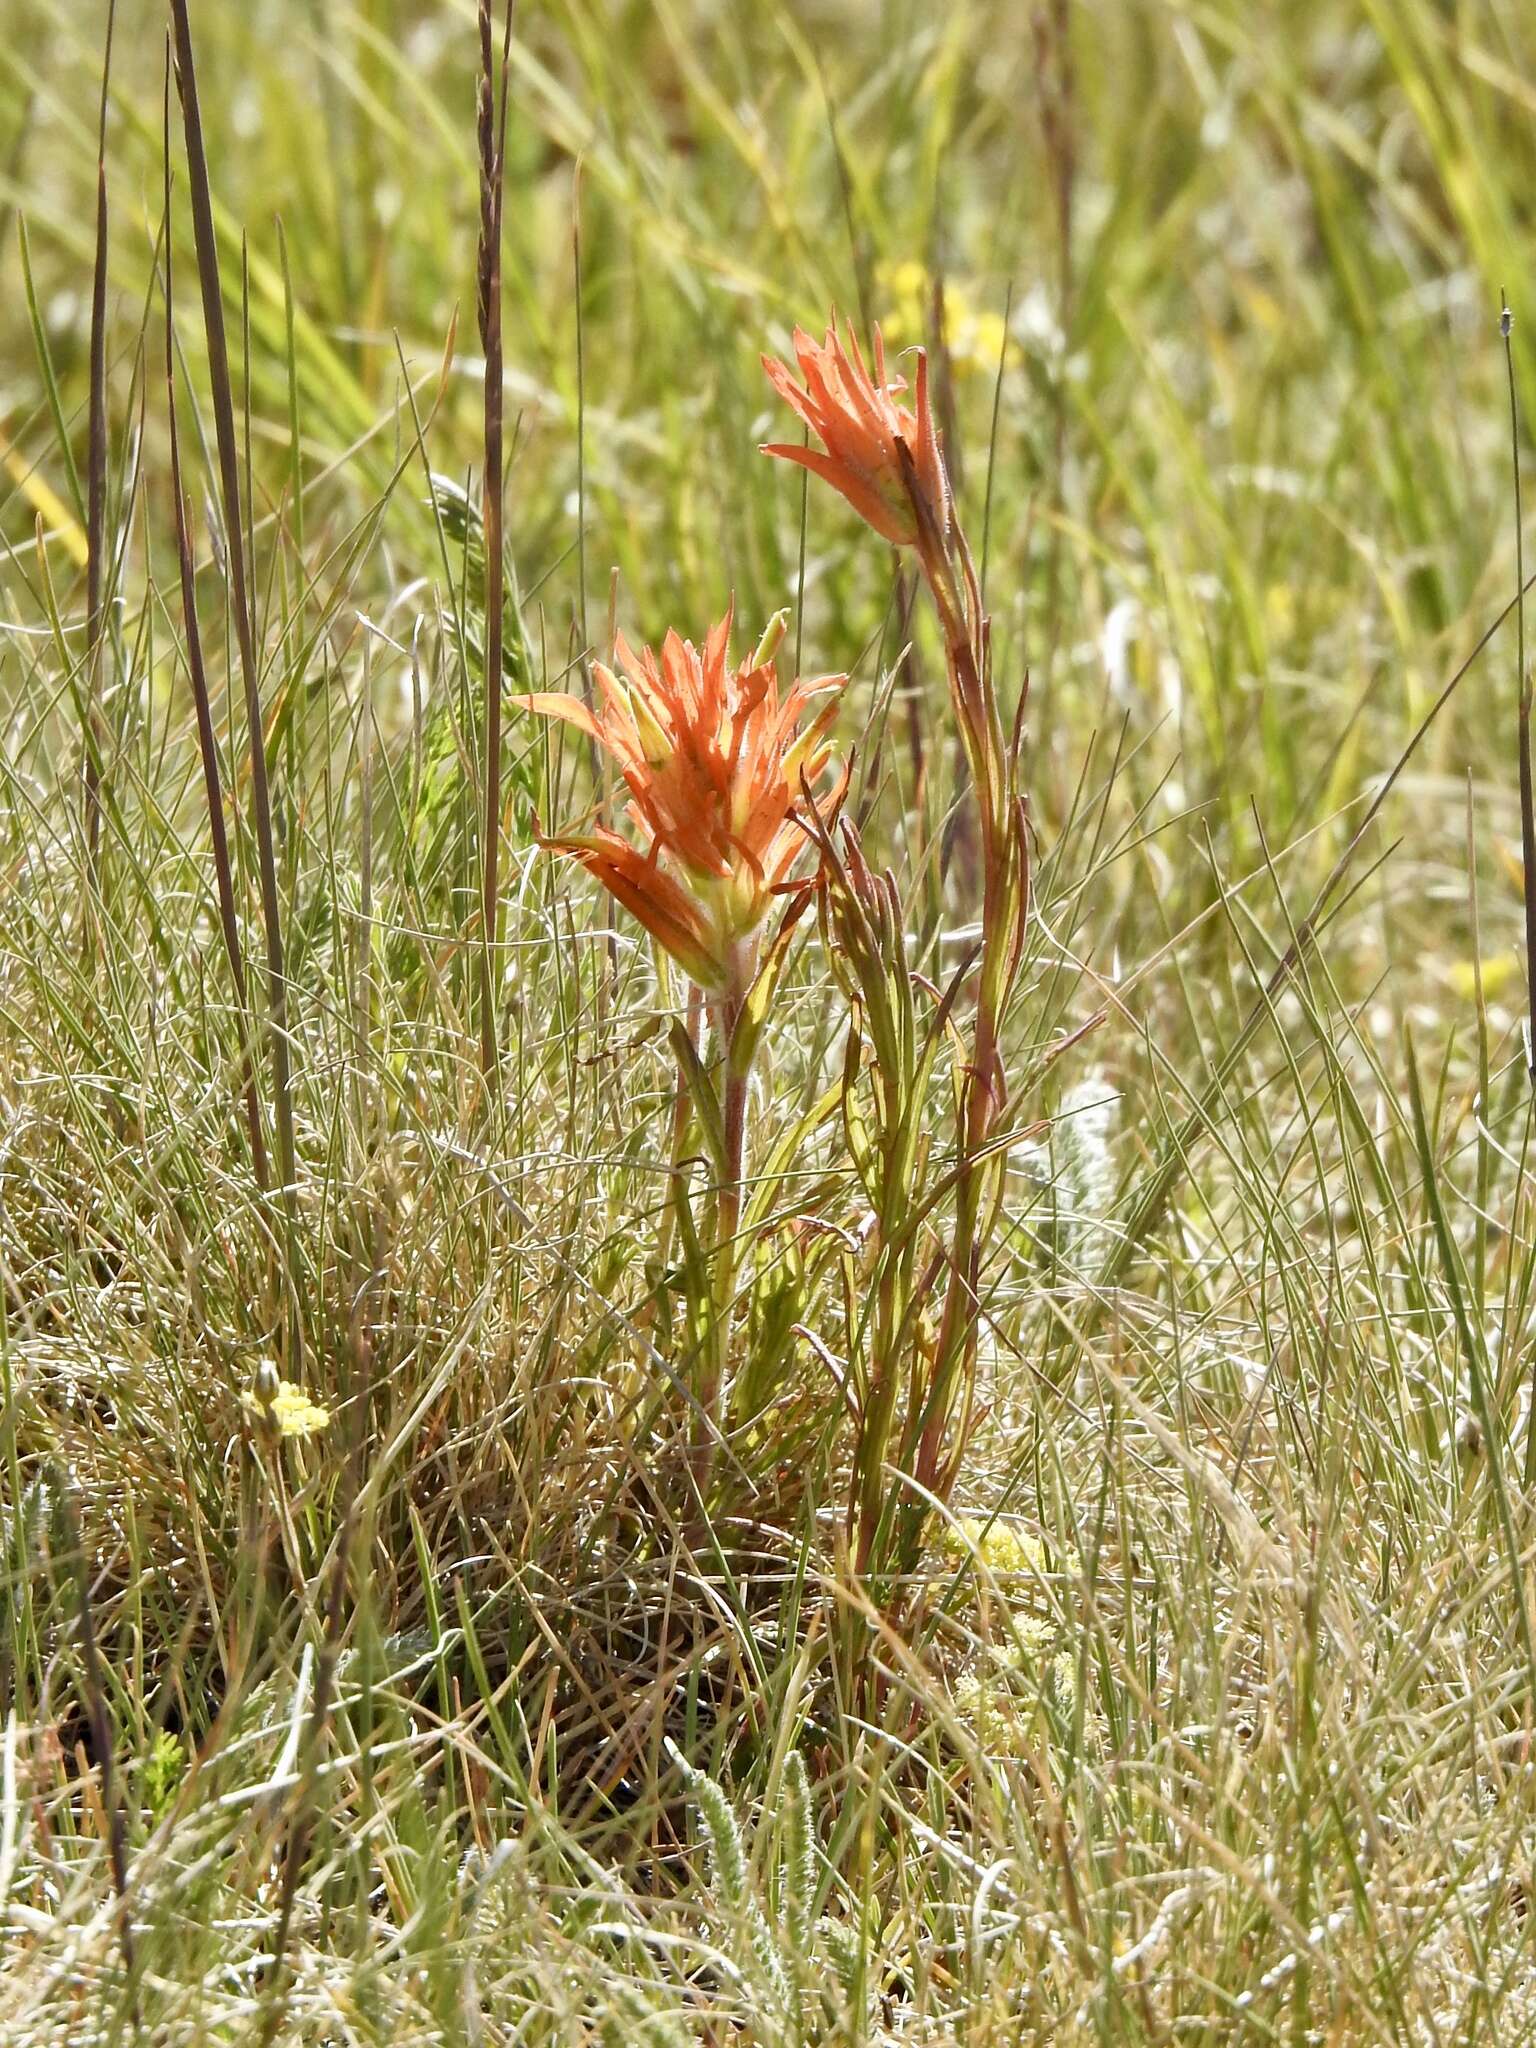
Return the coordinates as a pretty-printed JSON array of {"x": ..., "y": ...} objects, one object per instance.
[
  {"x": 712, "y": 760},
  {"x": 883, "y": 458}
]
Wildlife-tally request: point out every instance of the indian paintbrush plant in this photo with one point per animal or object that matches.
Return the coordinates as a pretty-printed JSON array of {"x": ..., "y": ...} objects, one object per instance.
[
  {"x": 723, "y": 810},
  {"x": 661, "y": 1460}
]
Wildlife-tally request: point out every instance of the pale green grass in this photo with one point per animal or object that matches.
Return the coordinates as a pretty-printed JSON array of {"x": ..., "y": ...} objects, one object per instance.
[{"x": 1224, "y": 1736}]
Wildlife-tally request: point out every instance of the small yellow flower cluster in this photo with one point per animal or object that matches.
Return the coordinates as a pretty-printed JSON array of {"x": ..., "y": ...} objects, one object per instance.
[
  {"x": 973, "y": 336},
  {"x": 991, "y": 1713},
  {"x": 284, "y": 1409},
  {"x": 998, "y": 1693},
  {"x": 1498, "y": 971},
  {"x": 998, "y": 1544},
  {"x": 1003, "y": 1684}
]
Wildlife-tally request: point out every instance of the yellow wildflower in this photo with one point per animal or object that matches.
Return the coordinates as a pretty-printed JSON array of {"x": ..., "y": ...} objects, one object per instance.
[
  {"x": 998, "y": 1544},
  {"x": 973, "y": 335},
  {"x": 1499, "y": 970},
  {"x": 281, "y": 1407},
  {"x": 997, "y": 1695}
]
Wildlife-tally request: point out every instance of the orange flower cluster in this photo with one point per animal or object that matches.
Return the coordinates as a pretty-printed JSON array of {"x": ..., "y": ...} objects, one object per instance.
[
  {"x": 884, "y": 459},
  {"x": 714, "y": 764}
]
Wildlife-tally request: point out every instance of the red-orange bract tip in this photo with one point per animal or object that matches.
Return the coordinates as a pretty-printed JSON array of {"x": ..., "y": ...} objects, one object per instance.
[
  {"x": 884, "y": 459},
  {"x": 713, "y": 761}
]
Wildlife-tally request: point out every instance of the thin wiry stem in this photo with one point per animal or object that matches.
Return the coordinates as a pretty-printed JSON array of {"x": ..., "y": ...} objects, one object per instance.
[
  {"x": 938, "y": 1430},
  {"x": 492, "y": 135},
  {"x": 100, "y": 1723},
  {"x": 997, "y": 410},
  {"x": 302, "y": 1812},
  {"x": 734, "y": 1048},
  {"x": 96, "y": 488},
  {"x": 682, "y": 1114},
  {"x": 1527, "y": 797}
]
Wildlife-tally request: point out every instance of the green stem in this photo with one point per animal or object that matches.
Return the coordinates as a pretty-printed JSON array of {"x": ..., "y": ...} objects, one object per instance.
[
  {"x": 735, "y": 1081},
  {"x": 682, "y": 1111},
  {"x": 968, "y": 665},
  {"x": 891, "y": 1319}
]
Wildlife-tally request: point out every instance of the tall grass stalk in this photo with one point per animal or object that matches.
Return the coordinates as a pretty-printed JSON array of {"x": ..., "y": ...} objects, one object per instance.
[
  {"x": 207, "y": 738},
  {"x": 491, "y": 137},
  {"x": 241, "y": 603},
  {"x": 1524, "y": 685},
  {"x": 96, "y": 485}
]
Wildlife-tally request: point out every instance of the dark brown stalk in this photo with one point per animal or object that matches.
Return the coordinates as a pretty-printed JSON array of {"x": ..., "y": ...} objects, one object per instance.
[
  {"x": 206, "y": 243},
  {"x": 96, "y": 488},
  {"x": 207, "y": 742},
  {"x": 492, "y": 135}
]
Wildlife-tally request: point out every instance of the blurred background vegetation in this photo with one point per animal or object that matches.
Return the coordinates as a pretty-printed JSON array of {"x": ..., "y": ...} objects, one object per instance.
[{"x": 1212, "y": 292}]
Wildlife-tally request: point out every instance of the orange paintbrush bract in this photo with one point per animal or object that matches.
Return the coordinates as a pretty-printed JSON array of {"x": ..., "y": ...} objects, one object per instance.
[
  {"x": 865, "y": 432},
  {"x": 714, "y": 763}
]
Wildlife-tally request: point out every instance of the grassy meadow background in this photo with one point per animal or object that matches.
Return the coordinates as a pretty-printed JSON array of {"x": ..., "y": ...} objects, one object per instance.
[{"x": 1209, "y": 1716}]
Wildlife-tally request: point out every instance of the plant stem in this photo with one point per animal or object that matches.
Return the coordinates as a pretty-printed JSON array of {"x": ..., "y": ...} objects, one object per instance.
[
  {"x": 682, "y": 1112},
  {"x": 946, "y": 566},
  {"x": 735, "y": 1085},
  {"x": 727, "y": 1219},
  {"x": 96, "y": 517},
  {"x": 867, "y": 1506}
]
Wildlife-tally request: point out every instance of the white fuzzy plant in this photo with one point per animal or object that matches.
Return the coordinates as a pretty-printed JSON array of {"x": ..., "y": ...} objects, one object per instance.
[{"x": 1073, "y": 1168}]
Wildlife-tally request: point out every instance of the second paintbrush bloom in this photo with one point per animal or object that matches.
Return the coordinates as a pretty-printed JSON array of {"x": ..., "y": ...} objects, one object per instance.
[{"x": 882, "y": 456}]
